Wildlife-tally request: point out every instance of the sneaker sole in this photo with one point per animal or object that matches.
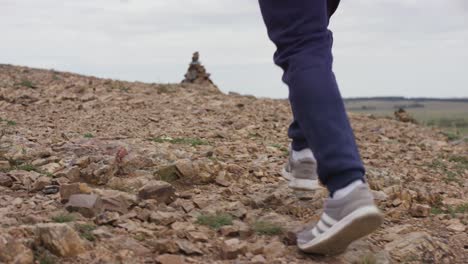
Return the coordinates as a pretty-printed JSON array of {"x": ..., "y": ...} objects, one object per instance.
[
  {"x": 300, "y": 184},
  {"x": 335, "y": 240}
]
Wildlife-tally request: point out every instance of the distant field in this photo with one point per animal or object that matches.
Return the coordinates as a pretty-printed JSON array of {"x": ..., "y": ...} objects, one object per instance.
[{"x": 452, "y": 117}]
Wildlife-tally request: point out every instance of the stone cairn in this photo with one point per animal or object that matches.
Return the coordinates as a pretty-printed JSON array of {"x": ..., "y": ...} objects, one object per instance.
[
  {"x": 403, "y": 116},
  {"x": 196, "y": 73}
]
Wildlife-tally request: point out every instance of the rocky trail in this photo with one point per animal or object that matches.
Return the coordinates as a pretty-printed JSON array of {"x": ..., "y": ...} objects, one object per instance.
[{"x": 105, "y": 171}]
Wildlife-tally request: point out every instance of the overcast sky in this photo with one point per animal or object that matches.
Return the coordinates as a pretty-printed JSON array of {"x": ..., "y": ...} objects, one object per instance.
[{"x": 382, "y": 47}]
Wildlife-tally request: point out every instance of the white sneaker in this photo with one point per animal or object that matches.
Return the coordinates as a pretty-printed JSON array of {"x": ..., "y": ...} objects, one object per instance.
[{"x": 301, "y": 170}]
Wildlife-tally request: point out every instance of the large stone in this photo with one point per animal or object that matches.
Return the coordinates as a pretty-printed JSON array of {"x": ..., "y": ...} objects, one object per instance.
[
  {"x": 68, "y": 190},
  {"x": 88, "y": 205},
  {"x": 72, "y": 173},
  {"x": 232, "y": 248},
  {"x": 40, "y": 183},
  {"x": 188, "y": 248},
  {"x": 99, "y": 172},
  {"x": 60, "y": 239},
  {"x": 164, "y": 246},
  {"x": 4, "y": 165},
  {"x": 106, "y": 218},
  {"x": 420, "y": 210},
  {"x": 456, "y": 225},
  {"x": 5, "y": 180},
  {"x": 163, "y": 218},
  {"x": 132, "y": 162},
  {"x": 13, "y": 251},
  {"x": 160, "y": 191},
  {"x": 274, "y": 249},
  {"x": 116, "y": 203}
]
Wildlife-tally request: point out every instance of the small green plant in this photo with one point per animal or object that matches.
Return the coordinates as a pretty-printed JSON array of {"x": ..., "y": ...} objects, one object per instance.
[
  {"x": 88, "y": 135},
  {"x": 280, "y": 147},
  {"x": 437, "y": 164},
  {"x": 215, "y": 221},
  {"x": 85, "y": 231},
  {"x": 46, "y": 260},
  {"x": 461, "y": 160},
  {"x": 459, "y": 209},
  {"x": 451, "y": 136},
  {"x": 452, "y": 177},
  {"x": 27, "y": 83},
  {"x": 367, "y": 259},
  {"x": 165, "y": 89},
  {"x": 436, "y": 210},
  {"x": 28, "y": 167},
  {"x": 139, "y": 237},
  {"x": 267, "y": 228},
  {"x": 186, "y": 141},
  {"x": 254, "y": 135},
  {"x": 63, "y": 218},
  {"x": 124, "y": 89},
  {"x": 11, "y": 123},
  {"x": 168, "y": 174}
]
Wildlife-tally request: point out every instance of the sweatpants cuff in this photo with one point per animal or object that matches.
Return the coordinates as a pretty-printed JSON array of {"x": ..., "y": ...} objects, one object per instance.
[
  {"x": 298, "y": 145},
  {"x": 339, "y": 181}
]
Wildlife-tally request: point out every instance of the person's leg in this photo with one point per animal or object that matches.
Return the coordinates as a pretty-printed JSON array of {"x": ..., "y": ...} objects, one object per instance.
[
  {"x": 299, "y": 29},
  {"x": 298, "y": 139}
]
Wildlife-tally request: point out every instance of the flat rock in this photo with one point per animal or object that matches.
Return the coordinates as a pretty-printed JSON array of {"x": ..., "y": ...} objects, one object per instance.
[
  {"x": 188, "y": 247},
  {"x": 456, "y": 225},
  {"x": 40, "y": 183},
  {"x": 232, "y": 248},
  {"x": 88, "y": 205},
  {"x": 72, "y": 173},
  {"x": 160, "y": 191},
  {"x": 163, "y": 218},
  {"x": 67, "y": 190},
  {"x": 116, "y": 203}
]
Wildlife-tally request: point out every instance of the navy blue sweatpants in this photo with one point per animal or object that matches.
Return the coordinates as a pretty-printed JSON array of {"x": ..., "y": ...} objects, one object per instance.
[{"x": 299, "y": 29}]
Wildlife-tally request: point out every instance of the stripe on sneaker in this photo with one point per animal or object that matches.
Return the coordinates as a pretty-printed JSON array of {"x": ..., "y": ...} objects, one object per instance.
[
  {"x": 315, "y": 232},
  {"x": 328, "y": 220},
  {"x": 322, "y": 227}
]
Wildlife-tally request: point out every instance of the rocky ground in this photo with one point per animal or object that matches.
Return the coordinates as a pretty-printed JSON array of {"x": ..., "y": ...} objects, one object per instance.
[{"x": 106, "y": 171}]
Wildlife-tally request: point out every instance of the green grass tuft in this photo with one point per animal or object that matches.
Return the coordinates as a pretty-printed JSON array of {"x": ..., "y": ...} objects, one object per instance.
[
  {"x": 46, "y": 260},
  {"x": 11, "y": 123},
  {"x": 215, "y": 221},
  {"x": 461, "y": 160},
  {"x": 85, "y": 231},
  {"x": 63, "y": 218},
  {"x": 367, "y": 259},
  {"x": 267, "y": 228},
  {"x": 452, "y": 210},
  {"x": 28, "y": 167},
  {"x": 27, "y": 83},
  {"x": 88, "y": 135}
]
